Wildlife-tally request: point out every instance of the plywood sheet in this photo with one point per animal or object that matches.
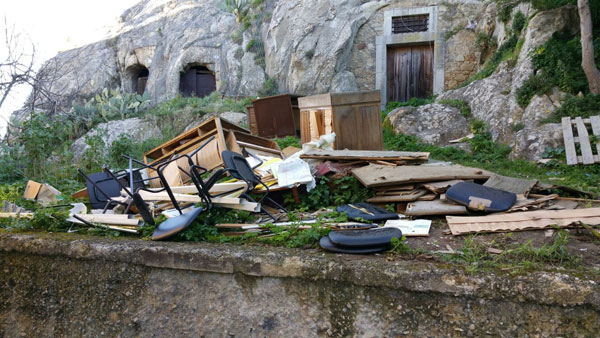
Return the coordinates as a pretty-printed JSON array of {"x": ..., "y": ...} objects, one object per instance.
[
  {"x": 435, "y": 207},
  {"x": 375, "y": 175},
  {"x": 522, "y": 220},
  {"x": 31, "y": 190},
  {"x": 518, "y": 186},
  {"x": 367, "y": 155}
]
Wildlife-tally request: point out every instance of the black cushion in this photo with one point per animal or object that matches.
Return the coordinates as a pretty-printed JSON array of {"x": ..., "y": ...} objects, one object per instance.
[
  {"x": 364, "y": 238},
  {"x": 478, "y": 197},
  {"x": 326, "y": 244},
  {"x": 374, "y": 213},
  {"x": 174, "y": 225}
]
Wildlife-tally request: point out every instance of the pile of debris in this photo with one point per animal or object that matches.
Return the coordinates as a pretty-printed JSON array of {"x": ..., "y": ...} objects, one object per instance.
[{"x": 220, "y": 164}]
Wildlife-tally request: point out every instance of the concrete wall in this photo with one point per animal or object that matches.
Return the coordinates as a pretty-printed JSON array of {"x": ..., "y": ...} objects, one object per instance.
[{"x": 58, "y": 285}]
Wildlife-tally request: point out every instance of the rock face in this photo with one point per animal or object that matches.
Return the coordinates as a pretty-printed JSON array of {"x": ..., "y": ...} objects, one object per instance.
[{"x": 493, "y": 99}]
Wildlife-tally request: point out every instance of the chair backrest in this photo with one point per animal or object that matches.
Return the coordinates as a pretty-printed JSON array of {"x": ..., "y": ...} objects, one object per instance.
[
  {"x": 100, "y": 188},
  {"x": 241, "y": 167}
]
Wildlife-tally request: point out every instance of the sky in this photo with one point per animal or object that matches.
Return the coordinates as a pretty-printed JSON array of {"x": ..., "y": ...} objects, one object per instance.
[{"x": 55, "y": 26}]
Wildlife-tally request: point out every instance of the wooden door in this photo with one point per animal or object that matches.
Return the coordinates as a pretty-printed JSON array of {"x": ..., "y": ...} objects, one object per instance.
[{"x": 409, "y": 72}]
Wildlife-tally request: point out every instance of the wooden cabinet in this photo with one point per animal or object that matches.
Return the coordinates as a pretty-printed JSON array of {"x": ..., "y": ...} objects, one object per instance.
[
  {"x": 354, "y": 117},
  {"x": 274, "y": 116}
]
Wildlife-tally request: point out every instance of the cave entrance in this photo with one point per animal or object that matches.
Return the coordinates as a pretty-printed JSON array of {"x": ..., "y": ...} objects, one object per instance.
[
  {"x": 197, "y": 81},
  {"x": 140, "y": 79}
]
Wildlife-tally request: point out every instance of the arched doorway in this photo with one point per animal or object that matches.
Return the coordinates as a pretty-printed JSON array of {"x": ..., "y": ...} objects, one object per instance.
[
  {"x": 197, "y": 81},
  {"x": 138, "y": 77}
]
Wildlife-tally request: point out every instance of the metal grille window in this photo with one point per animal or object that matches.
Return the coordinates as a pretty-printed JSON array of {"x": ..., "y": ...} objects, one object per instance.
[{"x": 410, "y": 23}]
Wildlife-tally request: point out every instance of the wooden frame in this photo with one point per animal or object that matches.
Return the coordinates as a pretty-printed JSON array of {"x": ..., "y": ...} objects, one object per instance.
[
  {"x": 587, "y": 153},
  {"x": 354, "y": 117}
]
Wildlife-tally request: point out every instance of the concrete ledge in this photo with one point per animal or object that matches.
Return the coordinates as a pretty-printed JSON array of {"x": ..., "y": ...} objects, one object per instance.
[{"x": 555, "y": 288}]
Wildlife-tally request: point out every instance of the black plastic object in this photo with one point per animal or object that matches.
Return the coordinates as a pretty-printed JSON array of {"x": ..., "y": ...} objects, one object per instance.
[
  {"x": 366, "y": 211},
  {"x": 478, "y": 197},
  {"x": 176, "y": 224},
  {"x": 364, "y": 238},
  {"x": 101, "y": 187},
  {"x": 326, "y": 244}
]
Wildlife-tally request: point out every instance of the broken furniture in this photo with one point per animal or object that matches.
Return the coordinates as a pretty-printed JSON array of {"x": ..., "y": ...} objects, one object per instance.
[
  {"x": 367, "y": 212},
  {"x": 102, "y": 189},
  {"x": 391, "y": 157},
  {"x": 240, "y": 169},
  {"x": 583, "y": 139},
  {"x": 44, "y": 194},
  {"x": 355, "y": 118},
  {"x": 360, "y": 241},
  {"x": 225, "y": 136},
  {"x": 274, "y": 116}
]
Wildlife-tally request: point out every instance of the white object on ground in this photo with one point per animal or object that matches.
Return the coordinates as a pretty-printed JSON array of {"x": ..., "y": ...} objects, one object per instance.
[
  {"x": 295, "y": 171},
  {"x": 418, "y": 227}
]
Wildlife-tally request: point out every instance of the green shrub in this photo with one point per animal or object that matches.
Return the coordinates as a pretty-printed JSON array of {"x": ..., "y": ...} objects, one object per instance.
[
  {"x": 505, "y": 51},
  {"x": 269, "y": 88},
  {"x": 574, "y": 106},
  {"x": 288, "y": 141},
  {"x": 535, "y": 84},
  {"x": 463, "y": 106},
  {"x": 518, "y": 22},
  {"x": 546, "y": 5},
  {"x": 112, "y": 104},
  {"x": 413, "y": 102}
]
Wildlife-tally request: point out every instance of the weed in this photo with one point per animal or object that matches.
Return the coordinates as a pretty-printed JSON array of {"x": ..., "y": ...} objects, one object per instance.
[
  {"x": 309, "y": 54},
  {"x": 574, "y": 106},
  {"x": 399, "y": 245},
  {"x": 463, "y": 106},
  {"x": 288, "y": 141},
  {"x": 269, "y": 88},
  {"x": 518, "y": 126}
]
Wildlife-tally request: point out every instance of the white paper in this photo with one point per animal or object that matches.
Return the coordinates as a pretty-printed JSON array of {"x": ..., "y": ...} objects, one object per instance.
[
  {"x": 418, "y": 227},
  {"x": 295, "y": 171}
]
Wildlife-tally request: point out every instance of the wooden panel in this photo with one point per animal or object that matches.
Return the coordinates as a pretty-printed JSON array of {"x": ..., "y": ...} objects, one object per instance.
[
  {"x": 365, "y": 155},
  {"x": 435, "y": 207},
  {"x": 595, "y": 122},
  {"x": 518, "y": 186},
  {"x": 375, "y": 175},
  {"x": 584, "y": 142},
  {"x": 274, "y": 116},
  {"x": 305, "y": 126},
  {"x": 569, "y": 143},
  {"x": 409, "y": 72}
]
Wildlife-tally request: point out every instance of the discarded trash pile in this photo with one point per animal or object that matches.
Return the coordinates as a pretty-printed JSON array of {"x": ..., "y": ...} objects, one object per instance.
[{"x": 220, "y": 165}]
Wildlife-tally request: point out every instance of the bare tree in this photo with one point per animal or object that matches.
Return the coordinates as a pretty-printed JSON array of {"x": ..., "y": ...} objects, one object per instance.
[
  {"x": 16, "y": 62},
  {"x": 587, "y": 45}
]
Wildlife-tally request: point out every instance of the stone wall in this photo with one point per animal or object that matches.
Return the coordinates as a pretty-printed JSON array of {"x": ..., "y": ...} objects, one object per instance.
[{"x": 63, "y": 285}]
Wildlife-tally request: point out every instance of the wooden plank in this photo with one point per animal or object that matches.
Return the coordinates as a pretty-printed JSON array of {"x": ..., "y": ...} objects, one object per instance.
[
  {"x": 584, "y": 142},
  {"x": 518, "y": 186},
  {"x": 16, "y": 215},
  {"x": 406, "y": 197},
  {"x": 83, "y": 193},
  {"x": 568, "y": 139},
  {"x": 529, "y": 215},
  {"x": 31, "y": 190},
  {"x": 112, "y": 219},
  {"x": 289, "y": 151},
  {"x": 367, "y": 155},
  {"x": 440, "y": 187},
  {"x": 435, "y": 207},
  {"x": 375, "y": 175},
  {"x": 522, "y": 221},
  {"x": 522, "y": 205},
  {"x": 595, "y": 122}
]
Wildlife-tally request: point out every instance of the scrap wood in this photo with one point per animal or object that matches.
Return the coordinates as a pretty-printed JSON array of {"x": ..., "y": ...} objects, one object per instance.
[
  {"x": 375, "y": 175},
  {"x": 83, "y": 193},
  {"x": 16, "y": 215},
  {"x": 568, "y": 198},
  {"x": 289, "y": 151},
  {"x": 111, "y": 219},
  {"x": 365, "y": 155},
  {"x": 546, "y": 187},
  {"x": 435, "y": 207},
  {"x": 401, "y": 197},
  {"x": 440, "y": 187},
  {"x": 522, "y": 220},
  {"x": 463, "y": 139},
  {"x": 31, "y": 190},
  {"x": 522, "y": 205},
  {"x": 395, "y": 191},
  {"x": 427, "y": 197},
  {"x": 518, "y": 186}
]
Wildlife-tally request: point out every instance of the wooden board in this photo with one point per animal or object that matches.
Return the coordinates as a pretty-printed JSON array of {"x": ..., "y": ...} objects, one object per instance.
[
  {"x": 522, "y": 220},
  {"x": 31, "y": 190},
  {"x": 440, "y": 187},
  {"x": 404, "y": 197},
  {"x": 569, "y": 142},
  {"x": 289, "y": 151},
  {"x": 518, "y": 186},
  {"x": 375, "y": 175},
  {"x": 409, "y": 72},
  {"x": 583, "y": 139},
  {"x": 366, "y": 155},
  {"x": 435, "y": 207},
  {"x": 584, "y": 142}
]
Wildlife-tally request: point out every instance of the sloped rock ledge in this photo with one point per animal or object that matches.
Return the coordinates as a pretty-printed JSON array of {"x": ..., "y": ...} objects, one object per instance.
[{"x": 286, "y": 282}]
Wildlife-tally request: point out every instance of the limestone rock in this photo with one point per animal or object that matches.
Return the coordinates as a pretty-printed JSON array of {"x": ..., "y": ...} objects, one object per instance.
[
  {"x": 433, "y": 123},
  {"x": 136, "y": 128},
  {"x": 532, "y": 142}
]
